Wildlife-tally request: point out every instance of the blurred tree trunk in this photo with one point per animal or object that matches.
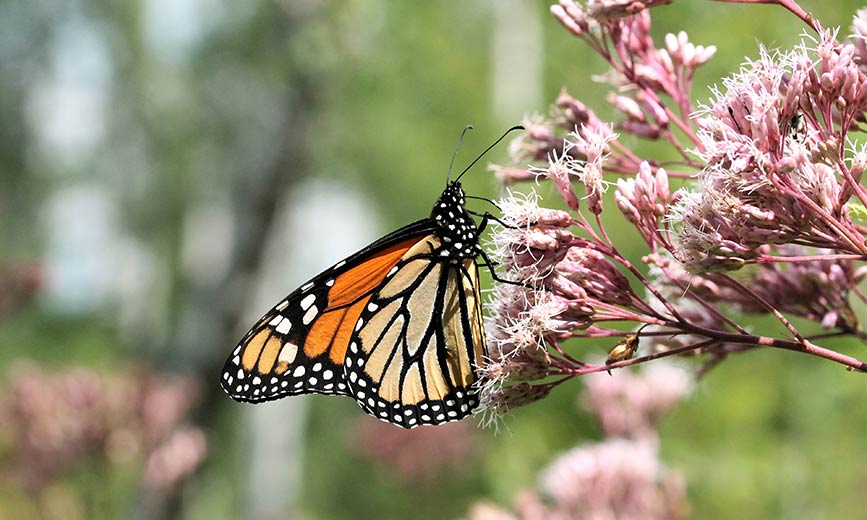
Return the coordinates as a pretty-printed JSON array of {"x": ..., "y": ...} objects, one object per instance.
[{"x": 216, "y": 312}]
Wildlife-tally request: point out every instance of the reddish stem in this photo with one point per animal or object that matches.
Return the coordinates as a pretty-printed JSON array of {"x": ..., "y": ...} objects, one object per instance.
[
  {"x": 770, "y": 259},
  {"x": 791, "y": 5}
]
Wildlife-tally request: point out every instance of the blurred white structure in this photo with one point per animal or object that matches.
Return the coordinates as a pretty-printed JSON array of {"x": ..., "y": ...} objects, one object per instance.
[
  {"x": 516, "y": 78},
  {"x": 322, "y": 223}
]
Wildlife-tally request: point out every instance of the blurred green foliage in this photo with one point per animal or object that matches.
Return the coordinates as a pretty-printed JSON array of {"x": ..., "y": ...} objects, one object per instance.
[{"x": 768, "y": 434}]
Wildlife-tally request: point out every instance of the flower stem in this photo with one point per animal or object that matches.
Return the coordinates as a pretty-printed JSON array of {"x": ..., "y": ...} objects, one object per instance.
[{"x": 791, "y": 5}]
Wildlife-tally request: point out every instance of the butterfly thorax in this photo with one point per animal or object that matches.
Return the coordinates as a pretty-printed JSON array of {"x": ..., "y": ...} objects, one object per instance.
[{"x": 456, "y": 226}]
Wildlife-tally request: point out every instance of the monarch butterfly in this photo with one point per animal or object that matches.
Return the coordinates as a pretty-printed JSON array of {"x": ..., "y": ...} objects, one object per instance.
[{"x": 397, "y": 325}]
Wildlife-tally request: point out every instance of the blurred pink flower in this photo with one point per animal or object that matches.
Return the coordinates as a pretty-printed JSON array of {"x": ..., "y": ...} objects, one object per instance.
[
  {"x": 54, "y": 420},
  {"x": 621, "y": 476},
  {"x": 419, "y": 455},
  {"x": 613, "y": 479},
  {"x": 175, "y": 459},
  {"x": 628, "y": 405}
]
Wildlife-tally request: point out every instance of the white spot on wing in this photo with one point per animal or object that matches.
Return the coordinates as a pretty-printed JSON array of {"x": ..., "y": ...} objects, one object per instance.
[
  {"x": 308, "y": 301},
  {"x": 309, "y": 315},
  {"x": 284, "y": 326},
  {"x": 288, "y": 352}
]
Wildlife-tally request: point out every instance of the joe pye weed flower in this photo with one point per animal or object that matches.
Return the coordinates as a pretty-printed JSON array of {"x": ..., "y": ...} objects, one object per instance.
[{"x": 769, "y": 218}]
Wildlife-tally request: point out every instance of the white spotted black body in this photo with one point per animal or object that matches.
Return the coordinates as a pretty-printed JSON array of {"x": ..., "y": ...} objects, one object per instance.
[{"x": 455, "y": 225}]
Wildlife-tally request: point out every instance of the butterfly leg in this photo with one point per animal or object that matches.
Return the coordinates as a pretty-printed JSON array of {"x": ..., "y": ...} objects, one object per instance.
[
  {"x": 486, "y": 216},
  {"x": 489, "y": 201},
  {"x": 490, "y": 265}
]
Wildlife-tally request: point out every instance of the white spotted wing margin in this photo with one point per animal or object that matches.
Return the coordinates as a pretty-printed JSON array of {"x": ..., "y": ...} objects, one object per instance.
[
  {"x": 413, "y": 356},
  {"x": 274, "y": 359}
]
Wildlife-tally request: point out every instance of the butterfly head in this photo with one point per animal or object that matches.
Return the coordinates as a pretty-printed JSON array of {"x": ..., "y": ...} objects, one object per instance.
[{"x": 456, "y": 226}]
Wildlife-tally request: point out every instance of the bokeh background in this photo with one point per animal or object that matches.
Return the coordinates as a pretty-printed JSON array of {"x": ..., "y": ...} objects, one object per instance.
[{"x": 171, "y": 168}]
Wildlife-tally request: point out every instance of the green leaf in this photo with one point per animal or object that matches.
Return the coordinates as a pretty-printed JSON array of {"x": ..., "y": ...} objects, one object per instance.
[{"x": 858, "y": 212}]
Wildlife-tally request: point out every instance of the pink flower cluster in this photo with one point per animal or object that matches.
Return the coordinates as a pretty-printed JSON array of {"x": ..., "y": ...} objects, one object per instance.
[
  {"x": 621, "y": 476},
  {"x": 770, "y": 218},
  {"x": 53, "y": 421},
  {"x": 415, "y": 456}
]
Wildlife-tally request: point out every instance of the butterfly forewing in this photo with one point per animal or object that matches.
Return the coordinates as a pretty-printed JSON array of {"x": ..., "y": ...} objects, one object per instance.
[{"x": 299, "y": 346}]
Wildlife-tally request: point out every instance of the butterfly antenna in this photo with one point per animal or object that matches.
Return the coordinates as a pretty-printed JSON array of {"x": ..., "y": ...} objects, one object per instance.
[
  {"x": 488, "y": 149},
  {"x": 457, "y": 147}
]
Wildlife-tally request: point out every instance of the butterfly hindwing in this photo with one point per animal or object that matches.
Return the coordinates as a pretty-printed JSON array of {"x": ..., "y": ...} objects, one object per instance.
[
  {"x": 412, "y": 358},
  {"x": 299, "y": 346}
]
